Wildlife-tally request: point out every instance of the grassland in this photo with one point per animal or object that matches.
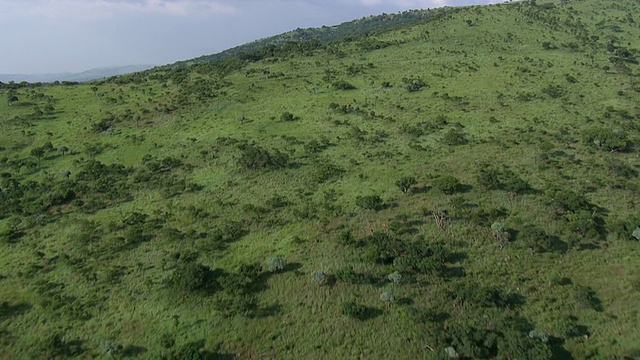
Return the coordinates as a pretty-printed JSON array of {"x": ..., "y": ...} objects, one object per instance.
[{"x": 254, "y": 209}]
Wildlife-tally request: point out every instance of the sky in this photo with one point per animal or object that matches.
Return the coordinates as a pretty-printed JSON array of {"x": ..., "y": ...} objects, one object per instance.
[{"x": 52, "y": 36}]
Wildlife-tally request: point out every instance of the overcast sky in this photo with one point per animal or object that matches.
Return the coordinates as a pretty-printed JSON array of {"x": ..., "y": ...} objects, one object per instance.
[{"x": 44, "y": 36}]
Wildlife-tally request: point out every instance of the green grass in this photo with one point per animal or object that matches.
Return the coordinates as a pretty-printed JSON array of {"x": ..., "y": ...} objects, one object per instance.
[{"x": 488, "y": 82}]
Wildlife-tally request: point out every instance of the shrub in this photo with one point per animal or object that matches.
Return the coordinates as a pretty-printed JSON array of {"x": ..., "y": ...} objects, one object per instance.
[
  {"x": 565, "y": 200},
  {"x": 606, "y": 138},
  {"x": 535, "y": 239},
  {"x": 369, "y": 202},
  {"x": 111, "y": 348},
  {"x": 254, "y": 157},
  {"x": 343, "y": 85},
  {"x": 516, "y": 345},
  {"x": 326, "y": 172},
  {"x": 513, "y": 183},
  {"x": 190, "y": 351},
  {"x": 388, "y": 298},
  {"x": 454, "y": 137},
  {"x": 446, "y": 184},
  {"x": 287, "y": 116},
  {"x": 276, "y": 264},
  {"x": 539, "y": 335},
  {"x": 349, "y": 275},
  {"x": 583, "y": 222},
  {"x": 395, "y": 277},
  {"x": 192, "y": 277},
  {"x": 412, "y": 85},
  {"x": 489, "y": 178},
  {"x": 319, "y": 277},
  {"x": 469, "y": 293},
  {"x": 554, "y": 91}
]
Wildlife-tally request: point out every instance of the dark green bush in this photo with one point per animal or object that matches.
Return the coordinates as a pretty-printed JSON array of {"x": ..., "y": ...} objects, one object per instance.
[
  {"x": 454, "y": 137},
  {"x": 343, "y": 85},
  {"x": 565, "y": 200},
  {"x": 554, "y": 91},
  {"x": 326, "y": 172},
  {"x": 369, "y": 202},
  {"x": 473, "y": 294},
  {"x": 489, "y": 178},
  {"x": 190, "y": 276},
  {"x": 287, "y": 116},
  {"x": 583, "y": 222},
  {"x": 606, "y": 139},
  {"x": 413, "y": 84},
  {"x": 254, "y": 157},
  {"x": 446, "y": 184},
  {"x": 535, "y": 238}
]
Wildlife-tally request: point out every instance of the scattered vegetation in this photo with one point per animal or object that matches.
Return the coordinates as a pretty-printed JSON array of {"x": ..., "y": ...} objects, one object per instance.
[{"x": 470, "y": 196}]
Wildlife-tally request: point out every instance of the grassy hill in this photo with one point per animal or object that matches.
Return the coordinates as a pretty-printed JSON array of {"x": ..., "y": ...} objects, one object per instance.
[
  {"x": 352, "y": 29},
  {"x": 465, "y": 187}
]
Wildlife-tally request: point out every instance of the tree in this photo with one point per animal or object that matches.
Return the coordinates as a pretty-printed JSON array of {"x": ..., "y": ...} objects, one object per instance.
[
  {"x": 63, "y": 149},
  {"x": 405, "y": 183},
  {"x": 38, "y": 152}
]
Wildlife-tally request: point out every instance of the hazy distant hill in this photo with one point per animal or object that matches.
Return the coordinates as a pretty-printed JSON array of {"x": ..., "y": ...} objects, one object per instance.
[
  {"x": 326, "y": 34},
  {"x": 88, "y": 75}
]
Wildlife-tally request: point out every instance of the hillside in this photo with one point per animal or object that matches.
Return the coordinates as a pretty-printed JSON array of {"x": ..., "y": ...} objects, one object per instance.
[
  {"x": 326, "y": 34},
  {"x": 463, "y": 187}
]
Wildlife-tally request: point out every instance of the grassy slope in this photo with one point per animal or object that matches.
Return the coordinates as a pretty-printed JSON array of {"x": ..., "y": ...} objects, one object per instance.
[{"x": 303, "y": 320}]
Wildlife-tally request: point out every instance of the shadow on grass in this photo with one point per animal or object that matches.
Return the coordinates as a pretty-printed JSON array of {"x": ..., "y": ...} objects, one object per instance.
[
  {"x": 420, "y": 189},
  {"x": 268, "y": 311},
  {"x": 193, "y": 350},
  {"x": 133, "y": 351},
  {"x": 9, "y": 311},
  {"x": 558, "y": 350},
  {"x": 454, "y": 272},
  {"x": 405, "y": 301},
  {"x": 359, "y": 311},
  {"x": 464, "y": 188}
]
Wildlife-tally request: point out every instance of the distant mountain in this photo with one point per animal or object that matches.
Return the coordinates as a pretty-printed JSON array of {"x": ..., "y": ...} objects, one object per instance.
[
  {"x": 93, "y": 74},
  {"x": 356, "y": 28}
]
